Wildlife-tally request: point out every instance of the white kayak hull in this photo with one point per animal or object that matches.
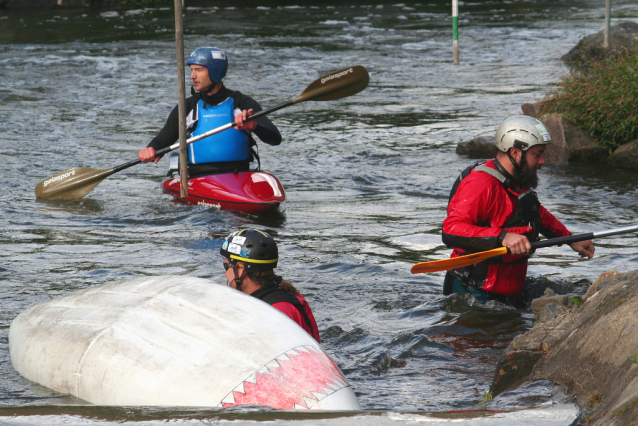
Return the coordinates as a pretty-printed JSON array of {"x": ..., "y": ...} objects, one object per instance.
[{"x": 175, "y": 341}]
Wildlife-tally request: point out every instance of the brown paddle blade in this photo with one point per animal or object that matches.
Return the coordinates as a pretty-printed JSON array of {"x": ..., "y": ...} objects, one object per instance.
[
  {"x": 457, "y": 262},
  {"x": 71, "y": 184},
  {"x": 336, "y": 85}
]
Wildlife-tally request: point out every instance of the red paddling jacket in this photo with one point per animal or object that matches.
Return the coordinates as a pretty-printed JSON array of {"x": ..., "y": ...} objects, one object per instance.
[
  {"x": 295, "y": 307},
  {"x": 487, "y": 205}
]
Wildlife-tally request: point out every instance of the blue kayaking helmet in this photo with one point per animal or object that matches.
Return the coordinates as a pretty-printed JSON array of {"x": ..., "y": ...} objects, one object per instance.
[
  {"x": 255, "y": 248},
  {"x": 212, "y": 58}
]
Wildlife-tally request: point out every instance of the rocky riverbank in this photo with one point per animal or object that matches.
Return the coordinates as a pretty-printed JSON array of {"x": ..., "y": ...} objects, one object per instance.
[
  {"x": 587, "y": 346},
  {"x": 570, "y": 143}
]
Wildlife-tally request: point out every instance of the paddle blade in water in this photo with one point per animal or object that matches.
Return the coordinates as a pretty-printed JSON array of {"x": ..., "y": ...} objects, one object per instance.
[
  {"x": 71, "y": 184},
  {"x": 336, "y": 85},
  {"x": 456, "y": 262}
]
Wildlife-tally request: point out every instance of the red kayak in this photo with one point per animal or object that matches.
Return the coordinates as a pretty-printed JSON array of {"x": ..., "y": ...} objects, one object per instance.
[{"x": 247, "y": 192}]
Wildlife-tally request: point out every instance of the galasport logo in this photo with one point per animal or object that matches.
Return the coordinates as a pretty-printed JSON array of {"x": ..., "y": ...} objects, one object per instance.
[
  {"x": 337, "y": 75},
  {"x": 59, "y": 177}
]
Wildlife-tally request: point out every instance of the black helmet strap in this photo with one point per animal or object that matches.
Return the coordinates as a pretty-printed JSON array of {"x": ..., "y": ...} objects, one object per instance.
[
  {"x": 238, "y": 279},
  {"x": 517, "y": 167}
]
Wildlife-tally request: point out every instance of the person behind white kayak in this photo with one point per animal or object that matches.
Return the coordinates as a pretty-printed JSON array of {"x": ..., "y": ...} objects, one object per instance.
[
  {"x": 250, "y": 257},
  {"x": 213, "y": 105}
]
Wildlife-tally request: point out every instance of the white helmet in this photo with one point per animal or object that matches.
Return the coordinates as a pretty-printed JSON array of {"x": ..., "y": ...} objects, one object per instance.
[{"x": 521, "y": 131}]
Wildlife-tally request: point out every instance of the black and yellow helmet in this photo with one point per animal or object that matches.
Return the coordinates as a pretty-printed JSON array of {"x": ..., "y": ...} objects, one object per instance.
[{"x": 256, "y": 249}]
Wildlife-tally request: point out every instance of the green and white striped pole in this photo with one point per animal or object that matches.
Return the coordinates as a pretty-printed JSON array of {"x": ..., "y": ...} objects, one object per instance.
[
  {"x": 455, "y": 30},
  {"x": 607, "y": 21}
]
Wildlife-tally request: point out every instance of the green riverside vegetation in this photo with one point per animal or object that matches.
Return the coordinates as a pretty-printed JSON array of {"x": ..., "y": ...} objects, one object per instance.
[{"x": 600, "y": 98}]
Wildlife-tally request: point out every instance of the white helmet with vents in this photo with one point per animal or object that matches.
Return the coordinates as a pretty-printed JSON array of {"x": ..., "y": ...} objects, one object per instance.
[{"x": 521, "y": 131}]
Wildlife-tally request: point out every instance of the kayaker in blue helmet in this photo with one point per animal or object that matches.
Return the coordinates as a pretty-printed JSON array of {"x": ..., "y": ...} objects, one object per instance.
[
  {"x": 250, "y": 257},
  {"x": 213, "y": 105}
]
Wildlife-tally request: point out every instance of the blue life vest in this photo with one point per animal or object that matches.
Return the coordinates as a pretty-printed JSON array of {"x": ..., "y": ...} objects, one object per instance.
[{"x": 229, "y": 145}]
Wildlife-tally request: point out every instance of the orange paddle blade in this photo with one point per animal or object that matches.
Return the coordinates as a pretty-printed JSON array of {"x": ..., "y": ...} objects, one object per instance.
[{"x": 457, "y": 262}]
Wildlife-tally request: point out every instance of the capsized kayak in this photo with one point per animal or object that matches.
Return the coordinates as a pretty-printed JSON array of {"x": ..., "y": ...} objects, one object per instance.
[
  {"x": 249, "y": 192},
  {"x": 175, "y": 341}
]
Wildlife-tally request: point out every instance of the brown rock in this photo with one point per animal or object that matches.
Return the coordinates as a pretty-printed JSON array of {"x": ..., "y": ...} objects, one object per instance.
[
  {"x": 547, "y": 333},
  {"x": 512, "y": 368},
  {"x": 604, "y": 279},
  {"x": 625, "y": 156},
  {"x": 591, "y": 353},
  {"x": 481, "y": 147},
  {"x": 569, "y": 143},
  {"x": 548, "y": 307},
  {"x": 531, "y": 110}
]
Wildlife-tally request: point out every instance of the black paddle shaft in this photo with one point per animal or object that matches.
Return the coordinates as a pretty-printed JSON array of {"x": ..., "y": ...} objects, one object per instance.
[
  {"x": 196, "y": 138},
  {"x": 583, "y": 237}
]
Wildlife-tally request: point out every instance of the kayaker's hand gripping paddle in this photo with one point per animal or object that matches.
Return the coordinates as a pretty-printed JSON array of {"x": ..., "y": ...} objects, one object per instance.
[
  {"x": 76, "y": 183},
  {"x": 471, "y": 259}
]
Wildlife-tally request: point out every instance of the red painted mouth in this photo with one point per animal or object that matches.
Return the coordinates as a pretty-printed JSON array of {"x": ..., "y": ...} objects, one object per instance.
[{"x": 297, "y": 379}]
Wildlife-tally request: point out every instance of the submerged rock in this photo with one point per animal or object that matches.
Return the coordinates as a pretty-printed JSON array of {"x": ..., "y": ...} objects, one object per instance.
[
  {"x": 513, "y": 369},
  {"x": 589, "y": 350},
  {"x": 625, "y": 156},
  {"x": 480, "y": 147}
]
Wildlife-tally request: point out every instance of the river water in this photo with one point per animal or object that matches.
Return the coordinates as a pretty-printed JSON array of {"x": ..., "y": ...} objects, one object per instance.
[{"x": 367, "y": 179}]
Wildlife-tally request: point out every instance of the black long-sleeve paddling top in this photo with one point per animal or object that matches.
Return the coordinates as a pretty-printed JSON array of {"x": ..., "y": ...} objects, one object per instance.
[{"x": 266, "y": 130}]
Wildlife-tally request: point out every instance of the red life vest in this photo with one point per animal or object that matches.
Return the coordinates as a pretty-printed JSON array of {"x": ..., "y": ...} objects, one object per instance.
[
  {"x": 482, "y": 209},
  {"x": 295, "y": 307}
]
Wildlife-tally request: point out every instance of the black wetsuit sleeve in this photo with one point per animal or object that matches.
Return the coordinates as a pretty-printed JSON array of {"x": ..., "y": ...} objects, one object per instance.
[
  {"x": 473, "y": 244},
  {"x": 170, "y": 132},
  {"x": 266, "y": 130}
]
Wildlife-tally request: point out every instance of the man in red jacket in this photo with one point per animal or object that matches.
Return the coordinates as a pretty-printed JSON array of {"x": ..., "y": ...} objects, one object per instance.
[
  {"x": 493, "y": 205},
  {"x": 250, "y": 256}
]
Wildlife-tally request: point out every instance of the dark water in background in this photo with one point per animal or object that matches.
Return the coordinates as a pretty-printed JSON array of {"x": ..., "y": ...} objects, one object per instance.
[{"x": 367, "y": 177}]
